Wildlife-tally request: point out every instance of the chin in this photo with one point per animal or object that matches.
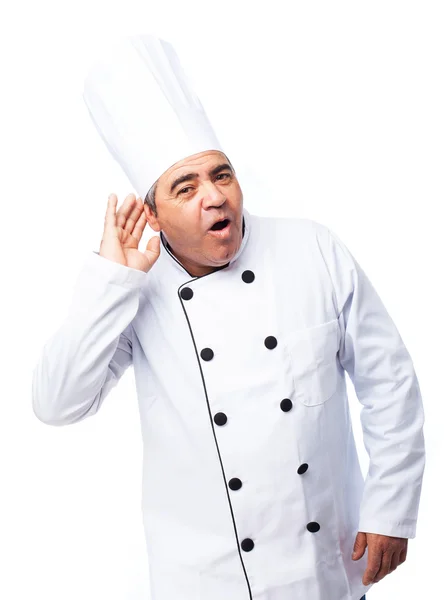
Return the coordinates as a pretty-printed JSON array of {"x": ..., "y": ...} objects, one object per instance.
[
  {"x": 225, "y": 256},
  {"x": 225, "y": 252}
]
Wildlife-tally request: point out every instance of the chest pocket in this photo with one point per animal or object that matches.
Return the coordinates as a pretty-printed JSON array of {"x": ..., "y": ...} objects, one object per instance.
[{"x": 312, "y": 354}]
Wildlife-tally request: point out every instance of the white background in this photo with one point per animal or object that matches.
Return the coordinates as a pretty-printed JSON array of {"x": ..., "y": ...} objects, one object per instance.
[{"x": 333, "y": 111}]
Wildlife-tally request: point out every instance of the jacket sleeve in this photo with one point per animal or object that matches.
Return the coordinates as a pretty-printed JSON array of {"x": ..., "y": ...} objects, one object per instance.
[
  {"x": 373, "y": 354},
  {"x": 88, "y": 354}
]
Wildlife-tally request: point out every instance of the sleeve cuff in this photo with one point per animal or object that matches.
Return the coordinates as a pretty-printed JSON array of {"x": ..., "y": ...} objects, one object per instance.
[{"x": 392, "y": 528}]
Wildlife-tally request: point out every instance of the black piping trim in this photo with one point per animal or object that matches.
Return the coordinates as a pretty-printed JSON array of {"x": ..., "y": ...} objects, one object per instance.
[{"x": 213, "y": 429}]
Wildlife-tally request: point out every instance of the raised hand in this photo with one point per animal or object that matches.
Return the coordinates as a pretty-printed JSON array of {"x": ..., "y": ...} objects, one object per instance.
[{"x": 123, "y": 232}]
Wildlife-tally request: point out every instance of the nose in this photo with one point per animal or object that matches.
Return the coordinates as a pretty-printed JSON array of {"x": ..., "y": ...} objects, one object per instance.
[{"x": 213, "y": 196}]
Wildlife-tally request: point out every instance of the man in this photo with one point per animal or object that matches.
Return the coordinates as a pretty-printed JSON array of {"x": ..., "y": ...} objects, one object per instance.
[{"x": 240, "y": 330}]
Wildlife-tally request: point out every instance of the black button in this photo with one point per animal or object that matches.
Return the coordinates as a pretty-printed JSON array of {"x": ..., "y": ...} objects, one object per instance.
[
  {"x": 248, "y": 276},
  {"x": 186, "y": 293},
  {"x": 313, "y": 527},
  {"x": 207, "y": 354},
  {"x": 247, "y": 545},
  {"x": 302, "y": 469},
  {"x": 220, "y": 418},
  {"x": 270, "y": 342},
  {"x": 235, "y": 483},
  {"x": 286, "y": 405}
]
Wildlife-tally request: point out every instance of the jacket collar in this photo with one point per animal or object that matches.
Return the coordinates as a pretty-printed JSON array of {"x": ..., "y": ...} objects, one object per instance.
[{"x": 166, "y": 250}]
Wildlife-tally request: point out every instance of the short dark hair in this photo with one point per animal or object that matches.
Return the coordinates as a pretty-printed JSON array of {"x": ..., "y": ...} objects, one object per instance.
[{"x": 150, "y": 198}]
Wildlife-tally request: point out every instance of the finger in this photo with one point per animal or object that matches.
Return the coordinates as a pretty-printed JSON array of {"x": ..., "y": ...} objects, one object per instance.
[
  {"x": 373, "y": 565},
  {"x": 110, "y": 217},
  {"x": 134, "y": 216},
  {"x": 402, "y": 556},
  {"x": 359, "y": 546},
  {"x": 152, "y": 251},
  {"x": 139, "y": 227},
  {"x": 125, "y": 210},
  {"x": 385, "y": 567},
  {"x": 395, "y": 561}
]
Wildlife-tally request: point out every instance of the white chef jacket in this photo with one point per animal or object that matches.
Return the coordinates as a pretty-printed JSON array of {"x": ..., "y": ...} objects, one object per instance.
[{"x": 252, "y": 488}]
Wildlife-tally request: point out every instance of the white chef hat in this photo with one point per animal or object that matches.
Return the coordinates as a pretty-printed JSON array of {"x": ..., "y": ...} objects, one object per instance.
[{"x": 144, "y": 108}]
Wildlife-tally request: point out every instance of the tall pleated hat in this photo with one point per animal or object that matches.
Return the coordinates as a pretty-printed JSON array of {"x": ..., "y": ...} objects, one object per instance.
[{"x": 145, "y": 109}]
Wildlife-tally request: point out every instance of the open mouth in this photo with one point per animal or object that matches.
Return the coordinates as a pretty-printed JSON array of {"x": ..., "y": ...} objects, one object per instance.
[{"x": 220, "y": 225}]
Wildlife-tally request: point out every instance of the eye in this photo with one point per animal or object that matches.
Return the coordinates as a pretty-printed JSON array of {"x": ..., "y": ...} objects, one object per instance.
[
  {"x": 225, "y": 174},
  {"x": 189, "y": 187}
]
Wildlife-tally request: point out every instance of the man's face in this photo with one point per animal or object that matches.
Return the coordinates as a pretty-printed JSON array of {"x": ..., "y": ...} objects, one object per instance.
[{"x": 190, "y": 197}]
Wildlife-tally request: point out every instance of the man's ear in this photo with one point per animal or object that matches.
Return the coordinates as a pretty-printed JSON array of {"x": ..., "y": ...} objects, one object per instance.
[{"x": 150, "y": 218}]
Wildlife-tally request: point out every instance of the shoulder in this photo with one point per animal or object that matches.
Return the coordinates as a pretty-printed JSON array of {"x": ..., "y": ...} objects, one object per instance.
[{"x": 295, "y": 229}]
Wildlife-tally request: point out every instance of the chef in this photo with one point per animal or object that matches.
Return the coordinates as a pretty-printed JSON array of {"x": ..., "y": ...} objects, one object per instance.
[{"x": 240, "y": 330}]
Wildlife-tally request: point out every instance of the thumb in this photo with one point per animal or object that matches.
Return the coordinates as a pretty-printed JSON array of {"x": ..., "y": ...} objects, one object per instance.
[
  {"x": 152, "y": 250},
  {"x": 359, "y": 546}
]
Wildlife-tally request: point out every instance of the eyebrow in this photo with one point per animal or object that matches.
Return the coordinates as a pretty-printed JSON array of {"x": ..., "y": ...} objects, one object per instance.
[{"x": 188, "y": 176}]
